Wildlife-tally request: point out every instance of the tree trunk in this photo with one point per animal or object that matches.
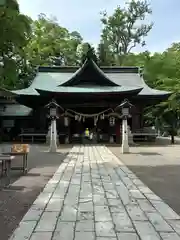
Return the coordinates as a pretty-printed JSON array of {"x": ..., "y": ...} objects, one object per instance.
[{"x": 172, "y": 139}]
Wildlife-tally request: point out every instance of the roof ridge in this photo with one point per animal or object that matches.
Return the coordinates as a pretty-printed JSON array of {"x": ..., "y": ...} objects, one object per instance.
[
  {"x": 86, "y": 63},
  {"x": 126, "y": 69}
]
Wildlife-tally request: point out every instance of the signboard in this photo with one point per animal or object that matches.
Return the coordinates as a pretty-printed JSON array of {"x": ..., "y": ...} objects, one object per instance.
[
  {"x": 52, "y": 112},
  {"x": 125, "y": 111}
]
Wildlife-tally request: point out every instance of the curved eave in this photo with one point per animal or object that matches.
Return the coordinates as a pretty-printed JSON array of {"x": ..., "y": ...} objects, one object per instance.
[
  {"x": 153, "y": 93},
  {"x": 82, "y": 68},
  {"x": 7, "y": 93},
  {"x": 105, "y": 90},
  {"x": 26, "y": 92}
]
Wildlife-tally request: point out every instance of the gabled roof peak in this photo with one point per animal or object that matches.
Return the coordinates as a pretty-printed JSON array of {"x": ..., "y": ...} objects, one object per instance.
[{"x": 91, "y": 73}]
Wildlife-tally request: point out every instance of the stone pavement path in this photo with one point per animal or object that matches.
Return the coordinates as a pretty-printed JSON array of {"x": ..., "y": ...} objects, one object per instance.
[{"x": 94, "y": 196}]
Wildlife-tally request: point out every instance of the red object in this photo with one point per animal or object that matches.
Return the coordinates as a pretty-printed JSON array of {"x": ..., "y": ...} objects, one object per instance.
[{"x": 118, "y": 130}]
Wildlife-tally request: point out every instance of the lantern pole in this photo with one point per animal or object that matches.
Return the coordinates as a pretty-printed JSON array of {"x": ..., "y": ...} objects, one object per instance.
[
  {"x": 53, "y": 136},
  {"x": 125, "y": 142},
  {"x": 124, "y": 106},
  {"x": 53, "y": 106}
]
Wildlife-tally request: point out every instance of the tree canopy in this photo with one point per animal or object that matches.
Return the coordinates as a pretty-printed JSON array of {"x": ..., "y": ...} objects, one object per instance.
[
  {"x": 15, "y": 34},
  {"x": 52, "y": 44},
  {"x": 125, "y": 28}
]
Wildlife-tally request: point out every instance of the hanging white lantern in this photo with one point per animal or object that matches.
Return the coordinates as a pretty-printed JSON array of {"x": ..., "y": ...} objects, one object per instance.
[
  {"x": 66, "y": 121},
  {"x": 95, "y": 120},
  {"x": 83, "y": 119},
  {"x": 111, "y": 121},
  {"x": 79, "y": 119},
  {"x": 76, "y": 117}
]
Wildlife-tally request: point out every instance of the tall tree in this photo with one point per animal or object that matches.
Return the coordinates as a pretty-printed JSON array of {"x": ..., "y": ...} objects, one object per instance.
[
  {"x": 105, "y": 57},
  {"x": 162, "y": 72},
  {"x": 123, "y": 30},
  {"x": 15, "y": 34},
  {"x": 52, "y": 44}
]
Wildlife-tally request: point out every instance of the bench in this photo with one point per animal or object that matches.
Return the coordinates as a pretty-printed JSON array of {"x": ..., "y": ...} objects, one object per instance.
[
  {"x": 24, "y": 156},
  {"x": 7, "y": 157},
  {"x": 142, "y": 136},
  {"x": 31, "y": 137},
  {"x": 5, "y": 161}
]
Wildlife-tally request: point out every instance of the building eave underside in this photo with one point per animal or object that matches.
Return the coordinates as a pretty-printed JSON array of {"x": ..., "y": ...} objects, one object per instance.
[
  {"x": 92, "y": 91},
  {"x": 146, "y": 91}
]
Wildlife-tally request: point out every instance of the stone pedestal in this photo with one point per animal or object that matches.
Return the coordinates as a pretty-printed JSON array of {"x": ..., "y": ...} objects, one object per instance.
[
  {"x": 52, "y": 137},
  {"x": 125, "y": 143}
]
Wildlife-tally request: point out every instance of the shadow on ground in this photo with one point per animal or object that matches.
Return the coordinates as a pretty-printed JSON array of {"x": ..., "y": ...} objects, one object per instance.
[
  {"x": 147, "y": 153},
  {"x": 160, "y": 141},
  {"x": 159, "y": 169},
  {"x": 164, "y": 181},
  {"x": 17, "y": 199}
]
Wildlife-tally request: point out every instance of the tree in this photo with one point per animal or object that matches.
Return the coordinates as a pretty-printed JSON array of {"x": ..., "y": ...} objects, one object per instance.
[
  {"x": 105, "y": 57},
  {"x": 15, "y": 34},
  {"x": 162, "y": 72},
  {"x": 52, "y": 44},
  {"x": 123, "y": 31}
]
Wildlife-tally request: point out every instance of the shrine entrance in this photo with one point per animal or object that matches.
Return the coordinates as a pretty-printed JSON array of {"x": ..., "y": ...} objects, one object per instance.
[{"x": 88, "y": 123}]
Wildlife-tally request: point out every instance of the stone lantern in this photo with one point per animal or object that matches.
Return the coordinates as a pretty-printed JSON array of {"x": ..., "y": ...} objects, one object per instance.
[
  {"x": 53, "y": 108},
  {"x": 124, "y": 107}
]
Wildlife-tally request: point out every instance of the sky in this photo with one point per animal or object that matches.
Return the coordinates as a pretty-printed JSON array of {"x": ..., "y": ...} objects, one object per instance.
[{"x": 84, "y": 16}]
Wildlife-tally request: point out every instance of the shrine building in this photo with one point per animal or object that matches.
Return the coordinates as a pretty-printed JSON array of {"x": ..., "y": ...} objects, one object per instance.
[{"x": 88, "y": 96}]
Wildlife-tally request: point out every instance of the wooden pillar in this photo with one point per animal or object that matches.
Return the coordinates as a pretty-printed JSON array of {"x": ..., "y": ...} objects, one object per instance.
[{"x": 136, "y": 117}]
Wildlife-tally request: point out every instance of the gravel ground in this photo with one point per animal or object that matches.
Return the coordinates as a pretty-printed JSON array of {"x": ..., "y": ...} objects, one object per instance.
[
  {"x": 16, "y": 200},
  {"x": 158, "y": 167}
]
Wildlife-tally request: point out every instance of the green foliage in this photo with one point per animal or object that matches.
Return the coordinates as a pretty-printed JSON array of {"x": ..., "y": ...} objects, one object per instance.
[
  {"x": 124, "y": 30},
  {"x": 26, "y": 44},
  {"x": 105, "y": 57},
  {"x": 52, "y": 44},
  {"x": 15, "y": 34}
]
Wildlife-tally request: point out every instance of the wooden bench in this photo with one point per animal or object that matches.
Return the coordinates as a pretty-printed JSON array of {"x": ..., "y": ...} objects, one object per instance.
[
  {"x": 31, "y": 137},
  {"x": 24, "y": 156},
  {"x": 142, "y": 136}
]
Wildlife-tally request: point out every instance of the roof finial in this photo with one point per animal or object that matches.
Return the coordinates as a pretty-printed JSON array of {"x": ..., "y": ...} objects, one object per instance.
[{"x": 89, "y": 54}]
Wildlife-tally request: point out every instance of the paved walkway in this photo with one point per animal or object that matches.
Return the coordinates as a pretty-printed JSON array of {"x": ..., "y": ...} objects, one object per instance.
[
  {"x": 24, "y": 189},
  {"x": 94, "y": 196}
]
